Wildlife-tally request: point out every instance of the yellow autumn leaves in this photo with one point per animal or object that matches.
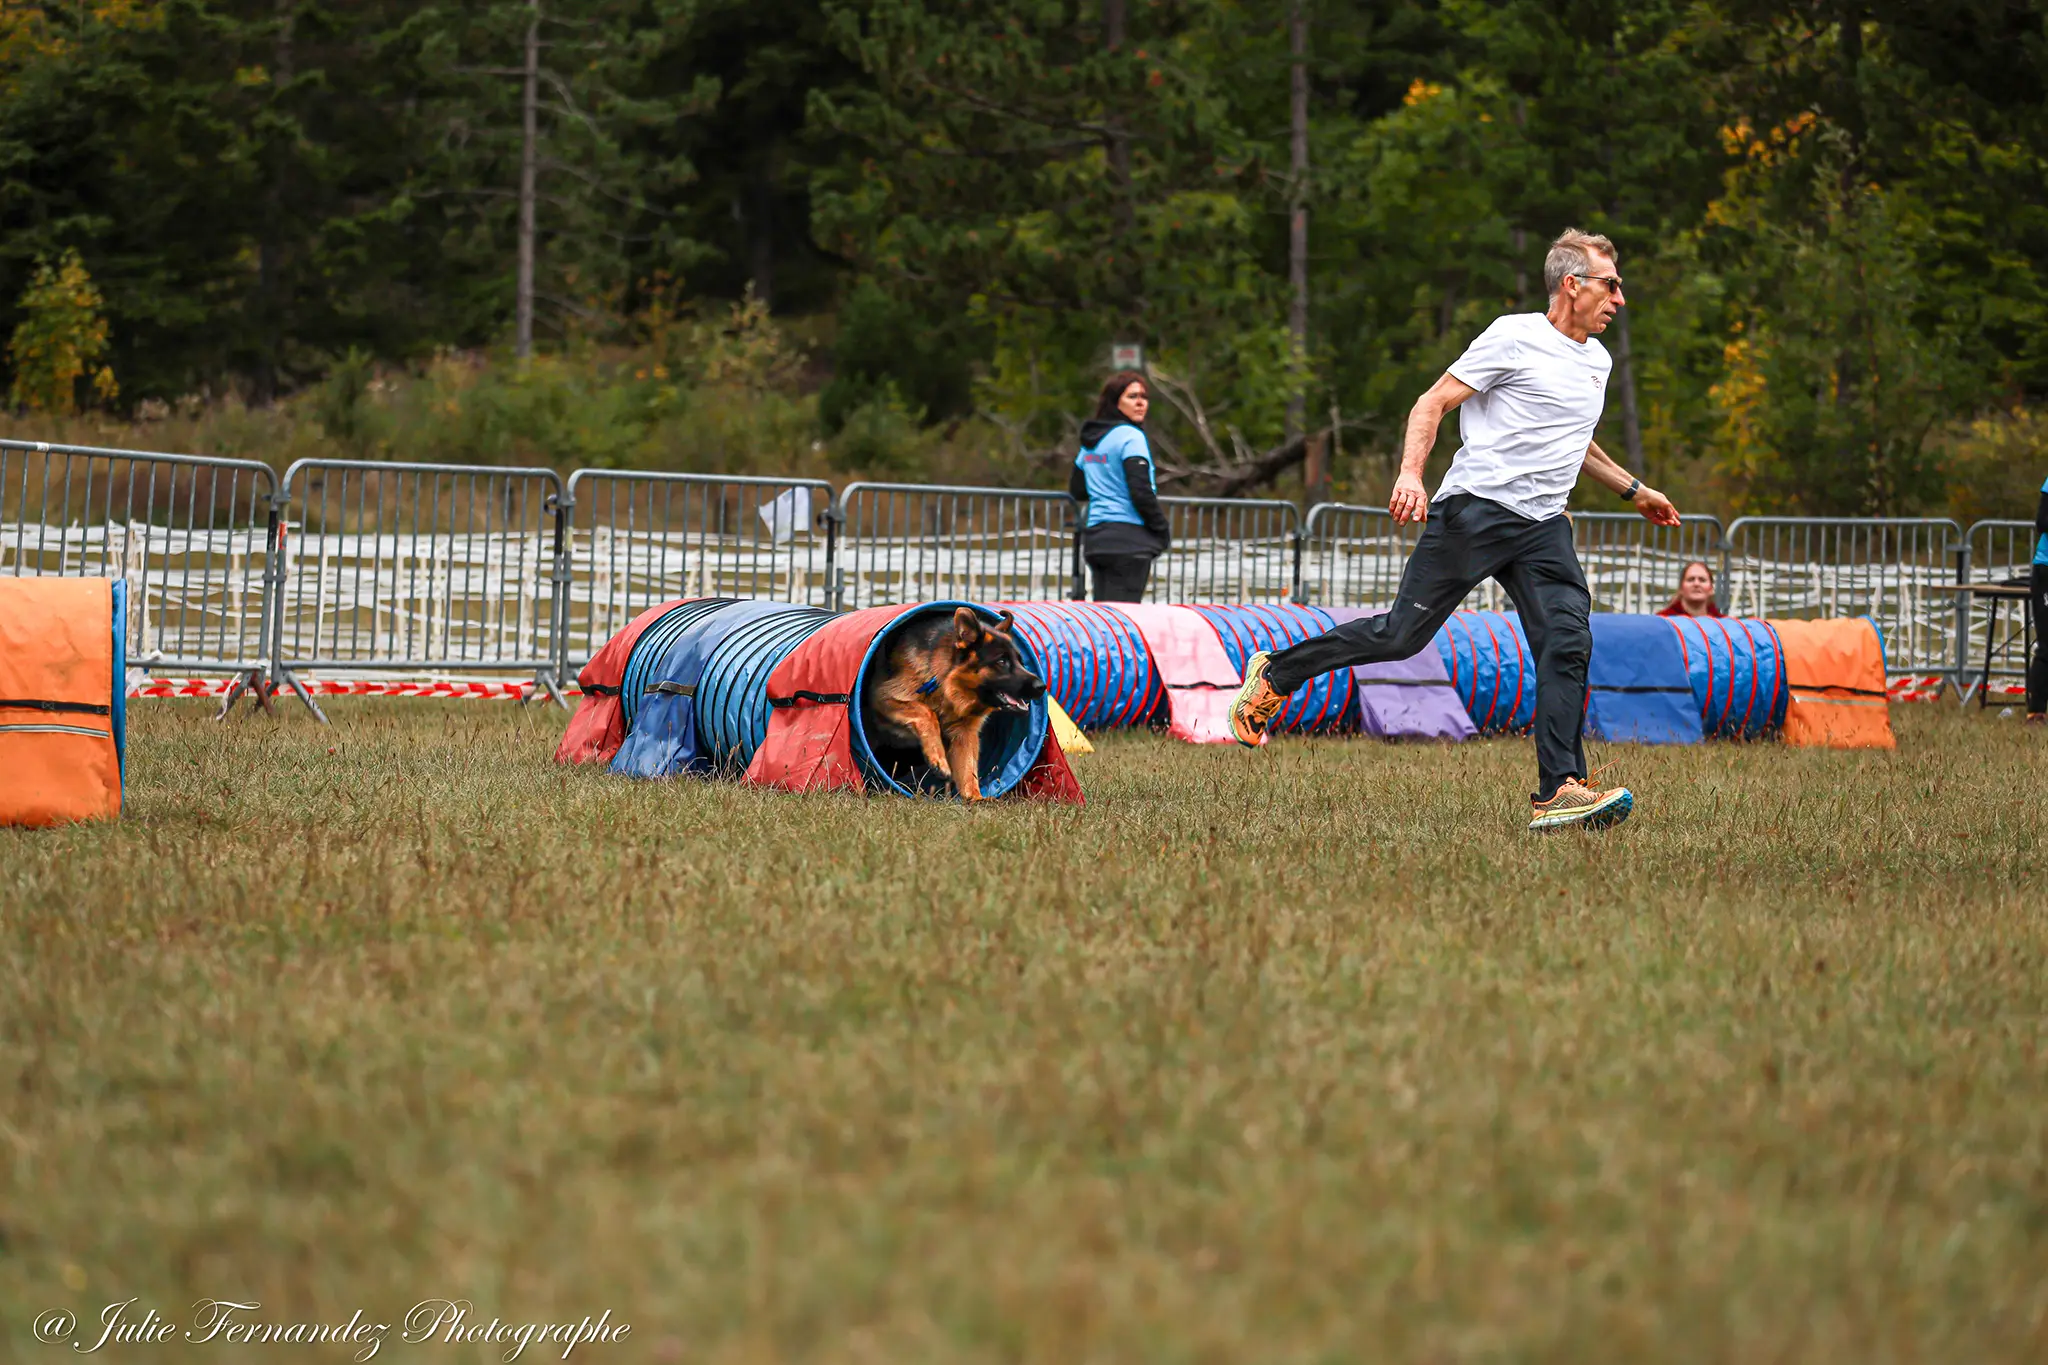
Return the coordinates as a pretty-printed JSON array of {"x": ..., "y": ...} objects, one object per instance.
[{"x": 60, "y": 340}]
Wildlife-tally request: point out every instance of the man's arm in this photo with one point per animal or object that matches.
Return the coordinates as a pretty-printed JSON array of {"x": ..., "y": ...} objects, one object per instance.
[
  {"x": 1652, "y": 504},
  {"x": 1410, "y": 501}
]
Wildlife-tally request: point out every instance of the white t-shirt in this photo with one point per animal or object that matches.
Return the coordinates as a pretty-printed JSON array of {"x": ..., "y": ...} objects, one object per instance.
[{"x": 1526, "y": 430}]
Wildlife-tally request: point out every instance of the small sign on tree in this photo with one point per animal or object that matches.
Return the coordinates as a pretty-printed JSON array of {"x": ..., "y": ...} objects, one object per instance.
[{"x": 1126, "y": 355}]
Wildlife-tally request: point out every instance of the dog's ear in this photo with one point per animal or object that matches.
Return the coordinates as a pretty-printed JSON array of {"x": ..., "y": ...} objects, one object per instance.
[
  {"x": 1005, "y": 620},
  {"x": 966, "y": 627}
]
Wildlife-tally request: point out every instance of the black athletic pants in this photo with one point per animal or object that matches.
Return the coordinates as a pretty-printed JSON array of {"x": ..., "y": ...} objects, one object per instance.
[
  {"x": 2037, "y": 671},
  {"x": 1119, "y": 578},
  {"x": 1466, "y": 541}
]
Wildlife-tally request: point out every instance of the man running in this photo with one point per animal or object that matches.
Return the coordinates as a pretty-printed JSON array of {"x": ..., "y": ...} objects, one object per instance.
[{"x": 1532, "y": 388}]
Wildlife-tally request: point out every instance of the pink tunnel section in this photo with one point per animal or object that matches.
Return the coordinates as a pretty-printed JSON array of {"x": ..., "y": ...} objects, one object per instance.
[{"x": 1199, "y": 677}]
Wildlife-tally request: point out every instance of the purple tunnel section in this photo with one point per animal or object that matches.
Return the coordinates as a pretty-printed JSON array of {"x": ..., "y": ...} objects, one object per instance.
[{"x": 1407, "y": 698}]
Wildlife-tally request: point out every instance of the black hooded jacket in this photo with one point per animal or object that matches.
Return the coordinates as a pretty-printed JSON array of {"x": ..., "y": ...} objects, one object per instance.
[{"x": 1122, "y": 538}]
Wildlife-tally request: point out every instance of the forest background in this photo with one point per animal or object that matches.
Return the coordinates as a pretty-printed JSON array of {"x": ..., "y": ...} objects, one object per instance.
[{"x": 899, "y": 238}]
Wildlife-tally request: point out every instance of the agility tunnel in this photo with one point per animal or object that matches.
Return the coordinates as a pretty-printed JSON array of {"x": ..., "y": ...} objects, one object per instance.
[
  {"x": 1638, "y": 690},
  {"x": 1195, "y": 673},
  {"x": 1094, "y": 661},
  {"x": 1407, "y": 698},
  {"x": 1835, "y": 675},
  {"x": 598, "y": 727},
  {"x": 1736, "y": 668},
  {"x": 1323, "y": 704},
  {"x": 63, "y": 717},
  {"x": 772, "y": 693},
  {"x": 685, "y": 681},
  {"x": 1678, "y": 680},
  {"x": 1488, "y": 661},
  {"x": 1182, "y": 664},
  {"x": 702, "y": 687}
]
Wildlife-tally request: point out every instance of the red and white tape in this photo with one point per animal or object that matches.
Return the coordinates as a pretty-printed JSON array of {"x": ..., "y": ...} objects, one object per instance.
[
  {"x": 1909, "y": 688},
  {"x": 1905, "y": 688},
  {"x": 351, "y": 687},
  {"x": 1930, "y": 688}
]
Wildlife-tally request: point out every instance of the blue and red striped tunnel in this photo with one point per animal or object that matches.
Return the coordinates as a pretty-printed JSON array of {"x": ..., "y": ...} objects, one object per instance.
[{"x": 717, "y": 686}]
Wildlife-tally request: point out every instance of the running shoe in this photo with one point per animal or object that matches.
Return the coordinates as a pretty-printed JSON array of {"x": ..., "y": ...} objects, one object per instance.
[
  {"x": 1582, "y": 804},
  {"x": 1256, "y": 703}
]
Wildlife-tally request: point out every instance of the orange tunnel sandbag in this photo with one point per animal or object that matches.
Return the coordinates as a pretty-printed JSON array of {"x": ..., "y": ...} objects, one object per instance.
[
  {"x": 61, "y": 694},
  {"x": 1835, "y": 670}
]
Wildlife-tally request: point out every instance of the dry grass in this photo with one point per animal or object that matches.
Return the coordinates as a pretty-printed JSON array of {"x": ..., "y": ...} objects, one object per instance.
[{"x": 1308, "y": 1055}]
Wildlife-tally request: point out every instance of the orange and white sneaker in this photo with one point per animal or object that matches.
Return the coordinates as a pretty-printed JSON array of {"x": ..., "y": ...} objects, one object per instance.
[
  {"x": 1581, "y": 804},
  {"x": 1256, "y": 704}
]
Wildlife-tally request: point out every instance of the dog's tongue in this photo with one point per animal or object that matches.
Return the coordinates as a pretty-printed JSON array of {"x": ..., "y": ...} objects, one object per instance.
[{"x": 1011, "y": 703}]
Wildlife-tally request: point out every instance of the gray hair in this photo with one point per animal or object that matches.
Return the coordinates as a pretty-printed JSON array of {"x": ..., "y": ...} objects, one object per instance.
[{"x": 1568, "y": 256}]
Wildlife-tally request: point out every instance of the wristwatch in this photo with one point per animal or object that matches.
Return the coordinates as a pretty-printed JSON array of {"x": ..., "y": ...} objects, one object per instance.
[{"x": 1633, "y": 486}]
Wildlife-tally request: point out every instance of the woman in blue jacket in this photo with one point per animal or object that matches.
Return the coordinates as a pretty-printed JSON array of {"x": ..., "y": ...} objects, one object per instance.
[{"x": 1124, "y": 528}]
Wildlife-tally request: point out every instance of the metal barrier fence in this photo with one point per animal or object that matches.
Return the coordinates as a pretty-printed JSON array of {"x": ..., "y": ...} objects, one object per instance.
[
  {"x": 418, "y": 567},
  {"x": 915, "y": 542},
  {"x": 1353, "y": 557},
  {"x": 188, "y": 534},
  {"x": 1227, "y": 550},
  {"x": 449, "y": 568},
  {"x": 1890, "y": 569},
  {"x": 638, "y": 539},
  {"x": 1632, "y": 565},
  {"x": 2000, "y": 552}
]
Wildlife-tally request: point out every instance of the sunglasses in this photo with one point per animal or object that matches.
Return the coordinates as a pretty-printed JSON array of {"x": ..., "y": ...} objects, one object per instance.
[{"x": 1613, "y": 282}]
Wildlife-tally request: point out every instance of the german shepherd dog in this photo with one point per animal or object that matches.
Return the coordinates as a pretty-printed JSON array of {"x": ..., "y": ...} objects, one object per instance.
[{"x": 941, "y": 679}]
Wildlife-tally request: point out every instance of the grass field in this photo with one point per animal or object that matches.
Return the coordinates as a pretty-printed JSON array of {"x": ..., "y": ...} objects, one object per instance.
[{"x": 1307, "y": 1055}]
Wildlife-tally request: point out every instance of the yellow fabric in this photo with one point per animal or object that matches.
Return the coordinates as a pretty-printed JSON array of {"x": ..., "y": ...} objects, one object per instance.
[
  {"x": 1835, "y": 670},
  {"x": 1072, "y": 741},
  {"x": 57, "y": 645}
]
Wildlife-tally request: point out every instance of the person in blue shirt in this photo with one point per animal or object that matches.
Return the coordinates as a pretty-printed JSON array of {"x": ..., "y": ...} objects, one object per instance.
[
  {"x": 1124, "y": 529},
  {"x": 2037, "y": 587}
]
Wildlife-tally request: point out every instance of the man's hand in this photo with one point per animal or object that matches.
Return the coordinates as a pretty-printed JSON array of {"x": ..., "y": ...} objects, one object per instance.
[
  {"x": 1655, "y": 506},
  {"x": 1410, "y": 502}
]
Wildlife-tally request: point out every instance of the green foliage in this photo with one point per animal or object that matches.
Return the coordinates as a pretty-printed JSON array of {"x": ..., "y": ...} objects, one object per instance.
[
  {"x": 878, "y": 436},
  {"x": 1844, "y": 354},
  {"x": 885, "y": 345},
  {"x": 1060, "y": 194},
  {"x": 340, "y": 403},
  {"x": 60, "y": 339},
  {"x": 1995, "y": 464},
  {"x": 601, "y": 181},
  {"x": 746, "y": 210},
  {"x": 263, "y": 184},
  {"x": 1833, "y": 220}
]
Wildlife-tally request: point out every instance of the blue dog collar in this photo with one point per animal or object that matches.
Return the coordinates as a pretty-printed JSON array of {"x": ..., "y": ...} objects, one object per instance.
[{"x": 931, "y": 685}]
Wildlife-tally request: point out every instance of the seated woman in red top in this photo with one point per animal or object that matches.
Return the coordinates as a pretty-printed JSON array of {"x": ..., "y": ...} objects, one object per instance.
[{"x": 1695, "y": 592}]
